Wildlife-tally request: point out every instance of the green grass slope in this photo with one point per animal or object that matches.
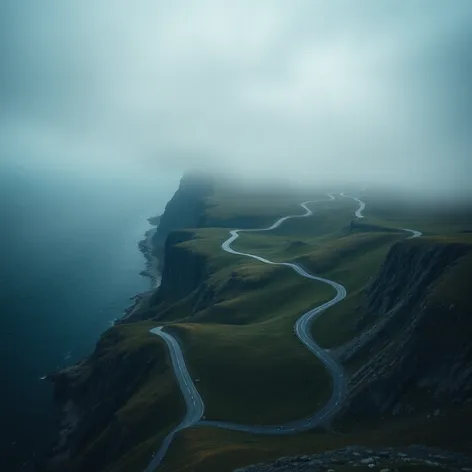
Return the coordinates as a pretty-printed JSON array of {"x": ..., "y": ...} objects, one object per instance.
[
  {"x": 250, "y": 365},
  {"x": 403, "y": 211},
  {"x": 254, "y": 374},
  {"x": 214, "y": 450},
  {"x": 236, "y": 331},
  {"x": 128, "y": 387}
]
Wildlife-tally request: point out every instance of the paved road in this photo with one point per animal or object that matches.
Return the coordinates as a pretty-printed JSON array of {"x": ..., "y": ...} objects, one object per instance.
[
  {"x": 302, "y": 330},
  {"x": 194, "y": 403},
  {"x": 359, "y": 211},
  {"x": 415, "y": 234},
  {"x": 193, "y": 400}
]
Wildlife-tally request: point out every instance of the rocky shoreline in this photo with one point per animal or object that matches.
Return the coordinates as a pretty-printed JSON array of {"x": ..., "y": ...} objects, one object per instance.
[
  {"x": 152, "y": 263},
  {"x": 384, "y": 460},
  {"x": 70, "y": 414},
  {"x": 151, "y": 271}
]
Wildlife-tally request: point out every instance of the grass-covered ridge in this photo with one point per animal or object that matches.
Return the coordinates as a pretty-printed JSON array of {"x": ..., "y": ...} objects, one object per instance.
[
  {"x": 251, "y": 367},
  {"x": 254, "y": 374},
  {"x": 236, "y": 330},
  {"x": 237, "y": 205},
  {"x": 327, "y": 244}
]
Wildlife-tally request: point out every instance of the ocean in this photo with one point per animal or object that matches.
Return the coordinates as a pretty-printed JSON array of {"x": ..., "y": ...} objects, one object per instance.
[{"x": 69, "y": 265}]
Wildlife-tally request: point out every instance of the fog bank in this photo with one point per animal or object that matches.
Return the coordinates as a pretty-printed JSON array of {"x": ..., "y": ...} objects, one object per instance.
[{"x": 368, "y": 92}]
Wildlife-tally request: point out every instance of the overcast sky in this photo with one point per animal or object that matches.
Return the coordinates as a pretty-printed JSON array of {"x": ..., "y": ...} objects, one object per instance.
[{"x": 357, "y": 90}]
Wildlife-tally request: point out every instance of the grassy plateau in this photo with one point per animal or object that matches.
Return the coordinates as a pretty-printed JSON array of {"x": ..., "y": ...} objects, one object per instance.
[{"x": 241, "y": 347}]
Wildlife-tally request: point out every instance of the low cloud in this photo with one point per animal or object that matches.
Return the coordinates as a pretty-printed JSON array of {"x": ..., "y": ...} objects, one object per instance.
[{"x": 314, "y": 90}]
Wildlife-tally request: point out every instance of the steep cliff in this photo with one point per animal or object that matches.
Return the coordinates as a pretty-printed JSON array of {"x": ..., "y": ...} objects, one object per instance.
[
  {"x": 417, "y": 356},
  {"x": 119, "y": 403},
  {"x": 186, "y": 209},
  {"x": 113, "y": 402},
  {"x": 183, "y": 273}
]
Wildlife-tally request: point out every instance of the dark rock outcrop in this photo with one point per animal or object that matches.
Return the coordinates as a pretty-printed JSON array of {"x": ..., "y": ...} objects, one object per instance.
[
  {"x": 387, "y": 460},
  {"x": 408, "y": 271},
  {"x": 181, "y": 275},
  {"x": 183, "y": 272},
  {"x": 418, "y": 355},
  {"x": 186, "y": 209},
  {"x": 106, "y": 406}
]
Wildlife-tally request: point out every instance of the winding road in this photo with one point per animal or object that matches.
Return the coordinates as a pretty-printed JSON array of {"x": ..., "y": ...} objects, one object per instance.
[
  {"x": 194, "y": 403},
  {"x": 193, "y": 400},
  {"x": 359, "y": 211}
]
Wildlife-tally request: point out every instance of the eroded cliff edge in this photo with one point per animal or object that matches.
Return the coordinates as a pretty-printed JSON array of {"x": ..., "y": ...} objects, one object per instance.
[
  {"x": 112, "y": 402},
  {"x": 186, "y": 209},
  {"x": 417, "y": 355}
]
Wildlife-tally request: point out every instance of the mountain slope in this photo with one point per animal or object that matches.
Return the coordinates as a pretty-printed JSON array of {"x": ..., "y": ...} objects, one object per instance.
[{"x": 401, "y": 333}]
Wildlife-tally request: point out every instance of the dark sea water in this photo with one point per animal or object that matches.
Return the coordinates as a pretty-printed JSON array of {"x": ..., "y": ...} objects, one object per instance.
[{"x": 69, "y": 264}]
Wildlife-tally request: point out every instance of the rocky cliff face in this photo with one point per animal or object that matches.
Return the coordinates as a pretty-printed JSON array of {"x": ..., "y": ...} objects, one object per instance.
[
  {"x": 179, "y": 277},
  {"x": 183, "y": 272},
  {"x": 186, "y": 209},
  {"x": 183, "y": 275},
  {"x": 387, "y": 459},
  {"x": 108, "y": 403},
  {"x": 418, "y": 355}
]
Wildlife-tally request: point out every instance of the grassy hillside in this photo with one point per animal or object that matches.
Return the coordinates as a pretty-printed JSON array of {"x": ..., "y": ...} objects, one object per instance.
[
  {"x": 254, "y": 374},
  {"x": 235, "y": 325},
  {"x": 235, "y": 204},
  {"x": 351, "y": 258},
  {"x": 214, "y": 450},
  {"x": 251, "y": 366},
  {"x": 133, "y": 399},
  {"x": 327, "y": 245},
  {"x": 286, "y": 381},
  {"x": 397, "y": 210}
]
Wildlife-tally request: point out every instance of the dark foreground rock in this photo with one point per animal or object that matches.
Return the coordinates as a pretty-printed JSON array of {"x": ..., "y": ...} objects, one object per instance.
[{"x": 383, "y": 460}]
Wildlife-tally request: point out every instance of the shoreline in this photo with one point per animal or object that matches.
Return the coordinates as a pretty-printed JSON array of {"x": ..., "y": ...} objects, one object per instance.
[
  {"x": 152, "y": 263},
  {"x": 67, "y": 414},
  {"x": 150, "y": 271}
]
